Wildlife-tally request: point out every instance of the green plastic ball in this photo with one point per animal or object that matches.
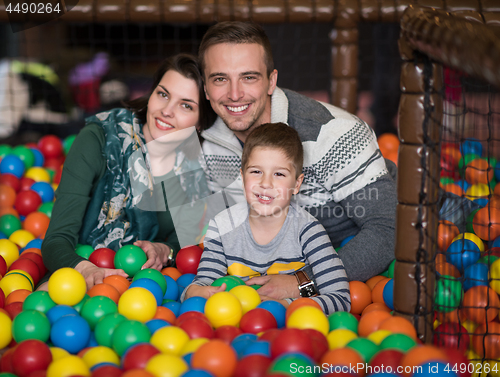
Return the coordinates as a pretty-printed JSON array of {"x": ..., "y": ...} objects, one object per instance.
[
  {"x": 130, "y": 258},
  {"x": 343, "y": 320},
  {"x": 449, "y": 294},
  {"x": 390, "y": 270},
  {"x": 445, "y": 180},
  {"x": 231, "y": 282},
  {"x": 151, "y": 273},
  {"x": 84, "y": 251},
  {"x": 400, "y": 342},
  {"x": 30, "y": 324},
  {"x": 293, "y": 364},
  {"x": 487, "y": 259},
  {"x": 25, "y": 155},
  {"x": 46, "y": 208},
  {"x": 38, "y": 300},
  {"x": 365, "y": 347},
  {"x": 78, "y": 307},
  {"x": 68, "y": 142},
  {"x": 255, "y": 286},
  {"x": 5, "y": 150},
  {"x": 9, "y": 224},
  {"x": 470, "y": 220},
  {"x": 128, "y": 333},
  {"x": 105, "y": 328},
  {"x": 97, "y": 307}
]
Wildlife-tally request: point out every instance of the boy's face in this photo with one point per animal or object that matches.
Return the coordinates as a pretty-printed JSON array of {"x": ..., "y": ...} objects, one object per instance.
[{"x": 269, "y": 182}]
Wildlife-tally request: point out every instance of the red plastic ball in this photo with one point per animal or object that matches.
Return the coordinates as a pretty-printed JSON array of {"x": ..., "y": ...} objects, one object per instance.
[
  {"x": 29, "y": 356},
  {"x": 28, "y": 266},
  {"x": 107, "y": 371},
  {"x": 103, "y": 257},
  {"x": 6, "y": 361},
  {"x": 227, "y": 333},
  {"x": 458, "y": 358},
  {"x": 270, "y": 335},
  {"x": 252, "y": 366},
  {"x": 257, "y": 320},
  {"x": 191, "y": 314},
  {"x": 50, "y": 146},
  {"x": 188, "y": 259},
  {"x": 10, "y": 180},
  {"x": 292, "y": 340},
  {"x": 2, "y": 299},
  {"x": 27, "y": 202},
  {"x": 319, "y": 341},
  {"x": 136, "y": 357},
  {"x": 451, "y": 335},
  {"x": 37, "y": 258},
  {"x": 14, "y": 308},
  {"x": 25, "y": 184},
  {"x": 384, "y": 359},
  {"x": 197, "y": 328},
  {"x": 54, "y": 163},
  {"x": 3, "y": 266}
]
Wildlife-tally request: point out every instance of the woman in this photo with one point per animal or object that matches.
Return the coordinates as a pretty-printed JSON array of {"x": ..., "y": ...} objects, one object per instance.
[{"x": 109, "y": 193}]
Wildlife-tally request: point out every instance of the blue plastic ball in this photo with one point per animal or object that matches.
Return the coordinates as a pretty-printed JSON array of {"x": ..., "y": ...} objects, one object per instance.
[
  {"x": 474, "y": 275},
  {"x": 197, "y": 373},
  {"x": 174, "y": 306},
  {"x": 462, "y": 253},
  {"x": 92, "y": 341},
  {"x": 39, "y": 159},
  {"x": 276, "y": 309},
  {"x": 44, "y": 190},
  {"x": 184, "y": 280},
  {"x": 435, "y": 369},
  {"x": 193, "y": 304},
  {"x": 71, "y": 333},
  {"x": 388, "y": 294},
  {"x": 172, "y": 292},
  {"x": 463, "y": 184},
  {"x": 13, "y": 165},
  {"x": 58, "y": 311},
  {"x": 36, "y": 243},
  {"x": 151, "y": 286},
  {"x": 261, "y": 347},
  {"x": 471, "y": 146},
  {"x": 346, "y": 240},
  {"x": 2, "y": 236},
  {"x": 242, "y": 342},
  {"x": 155, "y": 324}
]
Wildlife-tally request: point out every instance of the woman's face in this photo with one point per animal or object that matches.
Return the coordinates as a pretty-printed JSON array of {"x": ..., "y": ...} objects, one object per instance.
[{"x": 173, "y": 106}]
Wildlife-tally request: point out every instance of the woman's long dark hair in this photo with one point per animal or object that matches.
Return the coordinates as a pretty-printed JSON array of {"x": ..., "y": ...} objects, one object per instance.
[{"x": 187, "y": 66}]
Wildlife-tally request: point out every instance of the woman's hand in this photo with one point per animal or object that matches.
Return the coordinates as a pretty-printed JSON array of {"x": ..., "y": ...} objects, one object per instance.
[
  {"x": 94, "y": 275},
  {"x": 277, "y": 287},
  {"x": 203, "y": 291},
  {"x": 157, "y": 254}
]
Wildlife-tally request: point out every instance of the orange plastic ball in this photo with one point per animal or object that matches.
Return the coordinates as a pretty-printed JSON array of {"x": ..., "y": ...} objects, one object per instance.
[
  {"x": 454, "y": 189},
  {"x": 376, "y": 306},
  {"x": 371, "y": 321},
  {"x": 371, "y": 282},
  {"x": 8, "y": 211},
  {"x": 486, "y": 340},
  {"x": 361, "y": 296},
  {"x": 300, "y": 302},
  {"x": 7, "y": 196},
  {"x": 479, "y": 171},
  {"x": 165, "y": 314},
  {"x": 447, "y": 231},
  {"x": 216, "y": 357},
  {"x": 103, "y": 289},
  {"x": 173, "y": 272},
  {"x": 119, "y": 282},
  {"x": 388, "y": 143},
  {"x": 36, "y": 223},
  {"x": 447, "y": 269},
  {"x": 342, "y": 357},
  {"x": 419, "y": 355},
  {"x": 35, "y": 250},
  {"x": 440, "y": 258},
  {"x": 18, "y": 295},
  {"x": 481, "y": 304},
  {"x": 486, "y": 223},
  {"x": 455, "y": 316},
  {"x": 378, "y": 290},
  {"x": 399, "y": 325}
]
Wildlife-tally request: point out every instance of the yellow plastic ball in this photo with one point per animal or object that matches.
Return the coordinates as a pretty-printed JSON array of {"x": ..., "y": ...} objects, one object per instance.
[
  {"x": 494, "y": 276},
  {"x": 12, "y": 282},
  {"x": 21, "y": 237},
  {"x": 339, "y": 338},
  {"x": 100, "y": 354},
  {"x": 223, "y": 308},
  {"x": 170, "y": 340},
  {"x": 162, "y": 365},
  {"x": 248, "y": 297},
  {"x": 471, "y": 237},
  {"x": 67, "y": 286},
  {"x": 192, "y": 345},
  {"x": 38, "y": 174},
  {"x": 58, "y": 353},
  {"x": 479, "y": 190},
  {"x": 138, "y": 304},
  {"x": 469, "y": 326},
  {"x": 379, "y": 335},
  {"x": 24, "y": 273},
  {"x": 9, "y": 251},
  {"x": 5, "y": 330},
  {"x": 309, "y": 317},
  {"x": 68, "y": 366}
]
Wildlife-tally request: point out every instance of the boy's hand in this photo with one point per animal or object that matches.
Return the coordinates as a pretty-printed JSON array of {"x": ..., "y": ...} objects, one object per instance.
[
  {"x": 276, "y": 287},
  {"x": 267, "y": 298},
  {"x": 205, "y": 291}
]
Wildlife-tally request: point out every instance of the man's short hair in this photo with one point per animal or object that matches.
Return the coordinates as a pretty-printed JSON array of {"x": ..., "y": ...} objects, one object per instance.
[
  {"x": 277, "y": 136},
  {"x": 236, "y": 32}
]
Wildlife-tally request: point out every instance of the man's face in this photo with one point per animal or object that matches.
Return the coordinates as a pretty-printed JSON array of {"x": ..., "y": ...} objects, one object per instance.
[{"x": 237, "y": 85}]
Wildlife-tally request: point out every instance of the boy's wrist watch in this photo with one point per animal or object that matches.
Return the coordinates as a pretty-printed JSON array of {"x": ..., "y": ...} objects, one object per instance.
[{"x": 306, "y": 286}]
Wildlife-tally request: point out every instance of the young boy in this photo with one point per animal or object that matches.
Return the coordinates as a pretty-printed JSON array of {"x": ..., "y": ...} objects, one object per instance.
[{"x": 269, "y": 234}]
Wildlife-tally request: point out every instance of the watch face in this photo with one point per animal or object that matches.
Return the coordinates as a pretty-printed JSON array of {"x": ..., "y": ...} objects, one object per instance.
[{"x": 308, "y": 290}]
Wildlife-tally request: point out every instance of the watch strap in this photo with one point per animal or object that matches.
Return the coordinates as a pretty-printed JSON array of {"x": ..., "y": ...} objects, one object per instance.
[{"x": 302, "y": 277}]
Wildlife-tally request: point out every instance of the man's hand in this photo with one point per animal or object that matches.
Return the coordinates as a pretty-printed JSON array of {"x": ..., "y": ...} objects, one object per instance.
[
  {"x": 205, "y": 291},
  {"x": 157, "y": 254},
  {"x": 276, "y": 287},
  {"x": 94, "y": 275}
]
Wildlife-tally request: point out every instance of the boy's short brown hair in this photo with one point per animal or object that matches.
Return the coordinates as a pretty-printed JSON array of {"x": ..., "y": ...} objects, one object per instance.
[{"x": 279, "y": 136}]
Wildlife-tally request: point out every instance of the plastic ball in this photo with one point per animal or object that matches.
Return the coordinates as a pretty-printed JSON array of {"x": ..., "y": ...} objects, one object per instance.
[
  {"x": 176, "y": 366},
  {"x": 5, "y": 330},
  {"x": 5, "y": 149},
  {"x": 287, "y": 363},
  {"x": 399, "y": 325},
  {"x": 370, "y": 322},
  {"x": 343, "y": 320},
  {"x": 257, "y": 320},
  {"x": 138, "y": 355},
  {"x": 71, "y": 333},
  {"x": 44, "y": 190},
  {"x": 21, "y": 237},
  {"x": 156, "y": 324},
  {"x": 46, "y": 208},
  {"x": 67, "y": 286},
  {"x": 360, "y": 296},
  {"x": 276, "y": 309},
  {"x": 170, "y": 339},
  {"x": 38, "y": 159},
  {"x": 173, "y": 306},
  {"x": 194, "y": 303},
  {"x": 223, "y": 308},
  {"x": 100, "y": 354},
  {"x": 130, "y": 258},
  {"x": 155, "y": 275},
  {"x": 451, "y": 335},
  {"x": 172, "y": 291},
  {"x": 58, "y": 311},
  {"x": 479, "y": 190},
  {"x": 96, "y": 308},
  {"x": 308, "y": 317},
  {"x": 129, "y": 333},
  {"x": 40, "y": 301},
  {"x": 471, "y": 146},
  {"x": 12, "y": 164},
  {"x": 486, "y": 223},
  {"x": 30, "y": 324},
  {"x": 172, "y": 272},
  {"x": 165, "y": 314},
  {"x": 27, "y": 202},
  {"x": 9, "y": 224},
  {"x": 447, "y": 231},
  {"x": 216, "y": 357},
  {"x": 292, "y": 341},
  {"x": 138, "y": 304},
  {"x": 479, "y": 171},
  {"x": 230, "y": 281},
  {"x": 103, "y": 289},
  {"x": 197, "y": 328},
  {"x": 481, "y": 304},
  {"x": 188, "y": 259},
  {"x": 9, "y": 251},
  {"x": 105, "y": 328},
  {"x": 119, "y": 282},
  {"x": 38, "y": 174},
  {"x": 50, "y": 146},
  {"x": 462, "y": 253},
  {"x": 68, "y": 142},
  {"x": 68, "y": 366},
  {"x": 449, "y": 294},
  {"x": 420, "y": 355},
  {"x": 36, "y": 223},
  {"x": 150, "y": 285},
  {"x": 184, "y": 280},
  {"x": 475, "y": 275},
  {"x": 15, "y": 280},
  {"x": 85, "y": 251},
  {"x": 365, "y": 347},
  {"x": 341, "y": 357},
  {"x": 378, "y": 291},
  {"x": 388, "y": 294},
  {"x": 30, "y": 356},
  {"x": 248, "y": 297}
]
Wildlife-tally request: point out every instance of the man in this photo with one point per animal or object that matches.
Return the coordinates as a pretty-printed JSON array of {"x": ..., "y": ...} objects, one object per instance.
[{"x": 347, "y": 185}]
